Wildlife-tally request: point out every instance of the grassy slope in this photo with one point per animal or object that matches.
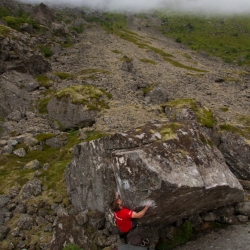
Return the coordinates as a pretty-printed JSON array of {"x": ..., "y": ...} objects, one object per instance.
[{"x": 223, "y": 36}]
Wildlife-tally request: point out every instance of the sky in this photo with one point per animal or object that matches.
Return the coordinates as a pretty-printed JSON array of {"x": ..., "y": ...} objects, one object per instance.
[{"x": 200, "y": 6}]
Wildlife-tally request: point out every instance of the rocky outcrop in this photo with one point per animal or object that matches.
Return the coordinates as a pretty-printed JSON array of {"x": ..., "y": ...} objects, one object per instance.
[
  {"x": 18, "y": 53},
  {"x": 168, "y": 163},
  {"x": 43, "y": 14},
  {"x": 13, "y": 97},
  {"x": 77, "y": 106},
  {"x": 236, "y": 150}
]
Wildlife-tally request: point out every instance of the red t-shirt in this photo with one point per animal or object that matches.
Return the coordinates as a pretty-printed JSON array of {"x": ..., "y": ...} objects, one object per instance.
[{"x": 123, "y": 219}]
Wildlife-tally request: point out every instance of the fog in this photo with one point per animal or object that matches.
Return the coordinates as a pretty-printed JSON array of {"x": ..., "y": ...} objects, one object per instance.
[{"x": 198, "y": 6}]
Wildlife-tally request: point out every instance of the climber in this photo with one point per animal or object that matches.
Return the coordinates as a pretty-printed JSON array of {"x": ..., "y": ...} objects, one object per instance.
[{"x": 126, "y": 219}]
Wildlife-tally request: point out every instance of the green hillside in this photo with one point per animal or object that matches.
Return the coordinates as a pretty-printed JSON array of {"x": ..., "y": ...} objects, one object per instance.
[{"x": 223, "y": 36}]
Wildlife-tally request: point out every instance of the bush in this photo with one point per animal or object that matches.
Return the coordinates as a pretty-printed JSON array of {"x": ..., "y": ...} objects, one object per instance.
[{"x": 46, "y": 51}]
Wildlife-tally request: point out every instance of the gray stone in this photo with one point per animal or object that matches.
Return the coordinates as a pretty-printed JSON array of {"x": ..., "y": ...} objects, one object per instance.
[
  {"x": 82, "y": 218},
  {"x": 3, "y": 200},
  {"x": 243, "y": 208},
  {"x": 25, "y": 222},
  {"x": 7, "y": 149},
  {"x": 158, "y": 95},
  {"x": 31, "y": 188},
  {"x": 35, "y": 164},
  {"x": 96, "y": 219},
  {"x": 180, "y": 166},
  {"x": 15, "y": 116},
  {"x": 40, "y": 221},
  {"x": 68, "y": 230},
  {"x": 237, "y": 154},
  {"x": 58, "y": 141},
  {"x": 209, "y": 216},
  {"x": 61, "y": 211},
  {"x": 20, "y": 209},
  {"x": 20, "y": 152},
  {"x": 4, "y": 230},
  {"x": 242, "y": 218},
  {"x": 3, "y": 143}
]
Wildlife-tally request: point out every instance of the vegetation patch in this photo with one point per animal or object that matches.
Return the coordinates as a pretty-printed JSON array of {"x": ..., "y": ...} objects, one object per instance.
[
  {"x": 244, "y": 132},
  {"x": 64, "y": 75},
  {"x": 92, "y": 71},
  {"x": 223, "y": 36},
  {"x": 168, "y": 131},
  {"x": 4, "y": 30},
  {"x": 13, "y": 174},
  {"x": 148, "y": 61},
  {"x": 16, "y": 22},
  {"x": 147, "y": 90},
  {"x": 181, "y": 235},
  {"x": 204, "y": 116},
  {"x": 43, "y": 102},
  {"x": 116, "y": 51},
  {"x": 44, "y": 81},
  {"x": 43, "y": 137},
  {"x": 71, "y": 247},
  {"x": 46, "y": 50},
  {"x": 224, "y": 109},
  {"x": 79, "y": 29},
  {"x": 88, "y": 95},
  {"x": 94, "y": 135}
]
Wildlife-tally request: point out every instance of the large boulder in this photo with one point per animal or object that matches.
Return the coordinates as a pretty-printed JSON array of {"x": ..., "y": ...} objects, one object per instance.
[
  {"x": 170, "y": 164},
  {"x": 77, "y": 106},
  {"x": 236, "y": 150}
]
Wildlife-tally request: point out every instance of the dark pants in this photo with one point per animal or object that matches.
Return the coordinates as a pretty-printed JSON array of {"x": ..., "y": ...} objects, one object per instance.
[{"x": 124, "y": 235}]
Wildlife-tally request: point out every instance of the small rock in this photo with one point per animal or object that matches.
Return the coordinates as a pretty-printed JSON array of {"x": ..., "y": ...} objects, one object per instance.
[
  {"x": 20, "y": 152},
  {"x": 25, "y": 222},
  {"x": 35, "y": 164}
]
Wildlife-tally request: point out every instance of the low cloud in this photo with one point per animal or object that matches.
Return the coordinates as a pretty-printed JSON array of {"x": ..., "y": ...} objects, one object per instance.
[{"x": 198, "y": 6}]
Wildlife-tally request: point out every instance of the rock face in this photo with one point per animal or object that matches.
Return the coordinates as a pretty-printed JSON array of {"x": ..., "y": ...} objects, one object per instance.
[
  {"x": 12, "y": 96},
  {"x": 70, "y": 115},
  {"x": 236, "y": 151},
  {"x": 18, "y": 53},
  {"x": 168, "y": 163},
  {"x": 43, "y": 14}
]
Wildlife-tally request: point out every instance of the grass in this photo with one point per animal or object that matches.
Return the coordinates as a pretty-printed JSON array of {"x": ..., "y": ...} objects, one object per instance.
[
  {"x": 46, "y": 51},
  {"x": 148, "y": 61},
  {"x": 42, "y": 103},
  {"x": 204, "y": 116},
  {"x": 44, "y": 81},
  {"x": 223, "y": 36},
  {"x": 64, "y": 75},
  {"x": 94, "y": 135},
  {"x": 12, "y": 173},
  {"x": 244, "y": 132},
  {"x": 4, "y": 31},
  {"x": 87, "y": 95},
  {"x": 16, "y": 22}
]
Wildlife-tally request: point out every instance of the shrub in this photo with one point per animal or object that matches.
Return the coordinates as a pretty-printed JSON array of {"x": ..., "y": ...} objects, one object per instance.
[{"x": 45, "y": 50}]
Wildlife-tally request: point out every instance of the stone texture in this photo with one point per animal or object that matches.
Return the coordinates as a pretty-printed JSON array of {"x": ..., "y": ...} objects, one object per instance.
[
  {"x": 67, "y": 230},
  {"x": 153, "y": 162},
  {"x": 25, "y": 222},
  {"x": 236, "y": 151},
  {"x": 31, "y": 188},
  {"x": 70, "y": 115}
]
